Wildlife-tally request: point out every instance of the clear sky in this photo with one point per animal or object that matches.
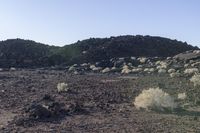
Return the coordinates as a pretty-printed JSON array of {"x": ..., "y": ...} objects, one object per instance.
[{"x": 60, "y": 22}]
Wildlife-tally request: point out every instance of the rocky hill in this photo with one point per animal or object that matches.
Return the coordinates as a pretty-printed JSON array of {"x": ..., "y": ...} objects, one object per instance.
[
  {"x": 26, "y": 53},
  {"x": 98, "y": 49}
]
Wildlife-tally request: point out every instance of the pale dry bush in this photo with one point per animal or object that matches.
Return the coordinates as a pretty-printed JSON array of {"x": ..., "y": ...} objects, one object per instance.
[
  {"x": 195, "y": 80},
  {"x": 169, "y": 58},
  {"x": 150, "y": 70},
  {"x": 72, "y": 68},
  {"x": 182, "y": 96},
  {"x": 158, "y": 62},
  {"x": 113, "y": 68},
  {"x": 161, "y": 65},
  {"x": 186, "y": 65},
  {"x": 136, "y": 70},
  {"x": 154, "y": 98},
  {"x": 106, "y": 70},
  {"x": 175, "y": 74},
  {"x": 146, "y": 69},
  {"x": 195, "y": 64},
  {"x": 171, "y": 70},
  {"x": 96, "y": 68},
  {"x": 62, "y": 87},
  {"x": 142, "y": 59},
  {"x": 125, "y": 67},
  {"x": 12, "y": 69},
  {"x": 125, "y": 70},
  {"x": 162, "y": 71},
  {"x": 133, "y": 58},
  {"x": 92, "y": 66},
  {"x": 191, "y": 71},
  {"x": 84, "y": 64}
]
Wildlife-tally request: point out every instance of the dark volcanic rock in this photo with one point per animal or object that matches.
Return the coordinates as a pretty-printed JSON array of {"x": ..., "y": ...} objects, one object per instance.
[
  {"x": 107, "y": 98},
  {"x": 30, "y": 54},
  {"x": 38, "y": 111}
]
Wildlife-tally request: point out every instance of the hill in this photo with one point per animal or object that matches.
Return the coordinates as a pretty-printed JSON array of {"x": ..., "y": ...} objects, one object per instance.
[
  {"x": 98, "y": 49},
  {"x": 26, "y": 53}
]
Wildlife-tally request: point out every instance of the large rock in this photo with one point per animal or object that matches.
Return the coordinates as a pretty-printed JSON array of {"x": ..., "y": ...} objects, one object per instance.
[{"x": 189, "y": 55}]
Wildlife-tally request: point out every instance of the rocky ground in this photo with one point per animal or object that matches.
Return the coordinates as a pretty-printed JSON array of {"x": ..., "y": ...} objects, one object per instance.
[{"x": 98, "y": 100}]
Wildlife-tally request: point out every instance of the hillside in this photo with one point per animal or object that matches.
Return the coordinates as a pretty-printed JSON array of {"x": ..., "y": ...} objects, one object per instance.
[
  {"x": 97, "y": 49},
  {"x": 26, "y": 53}
]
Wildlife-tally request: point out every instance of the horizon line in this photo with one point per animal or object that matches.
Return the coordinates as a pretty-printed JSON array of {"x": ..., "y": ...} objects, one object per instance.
[{"x": 28, "y": 39}]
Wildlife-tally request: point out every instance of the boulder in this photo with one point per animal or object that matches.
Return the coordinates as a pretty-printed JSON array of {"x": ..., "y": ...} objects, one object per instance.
[{"x": 189, "y": 55}]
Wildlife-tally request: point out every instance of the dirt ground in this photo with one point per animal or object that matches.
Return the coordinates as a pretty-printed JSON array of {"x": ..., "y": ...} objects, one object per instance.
[{"x": 95, "y": 103}]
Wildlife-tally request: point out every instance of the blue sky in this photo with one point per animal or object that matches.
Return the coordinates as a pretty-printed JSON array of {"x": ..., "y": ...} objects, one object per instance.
[{"x": 60, "y": 22}]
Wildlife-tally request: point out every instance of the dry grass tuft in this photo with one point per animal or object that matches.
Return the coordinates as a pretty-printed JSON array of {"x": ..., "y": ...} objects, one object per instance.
[{"x": 154, "y": 98}]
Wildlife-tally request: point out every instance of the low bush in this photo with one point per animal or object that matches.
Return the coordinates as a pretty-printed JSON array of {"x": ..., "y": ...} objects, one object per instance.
[
  {"x": 62, "y": 87},
  {"x": 155, "y": 99}
]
